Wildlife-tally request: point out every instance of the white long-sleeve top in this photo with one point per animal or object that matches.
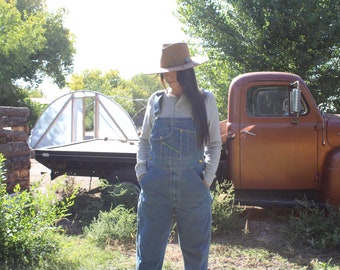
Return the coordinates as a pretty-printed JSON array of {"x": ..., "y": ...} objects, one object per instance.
[{"x": 175, "y": 107}]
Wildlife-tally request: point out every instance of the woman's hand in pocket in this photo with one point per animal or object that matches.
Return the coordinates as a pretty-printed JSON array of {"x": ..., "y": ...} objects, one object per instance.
[
  {"x": 205, "y": 183},
  {"x": 141, "y": 176}
]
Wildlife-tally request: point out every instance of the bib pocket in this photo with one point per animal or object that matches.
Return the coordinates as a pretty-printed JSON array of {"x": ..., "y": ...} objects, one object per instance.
[{"x": 173, "y": 143}]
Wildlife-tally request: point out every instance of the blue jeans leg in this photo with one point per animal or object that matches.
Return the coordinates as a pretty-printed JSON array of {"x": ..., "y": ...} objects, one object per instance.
[
  {"x": 155, "y": 218},
  {"x": 193, "y": 216}
]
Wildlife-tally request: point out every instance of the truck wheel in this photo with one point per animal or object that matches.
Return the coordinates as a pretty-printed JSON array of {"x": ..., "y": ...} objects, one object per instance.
[{"x": 123, "y": 175}]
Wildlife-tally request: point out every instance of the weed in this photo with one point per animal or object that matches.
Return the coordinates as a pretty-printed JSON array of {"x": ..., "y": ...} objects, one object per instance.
[
  {"x": 123, "y": 193},
  {"x": 117, "y": 225},
  {"x": 225, "y": 214},
  {"x": 319, "y": 227},
  {"x": 27, "y": 224},
  {"x": 228, "y": 250}
]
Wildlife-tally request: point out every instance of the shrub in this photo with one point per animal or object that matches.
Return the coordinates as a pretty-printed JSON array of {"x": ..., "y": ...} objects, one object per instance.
[
  {"x": 318, "y": 227},
  {"x": 124, "y": 193},
  {"x": 27, "y": 224},
  {"x": 225, "y": 214},
  {"x": 117, "y": 225}
]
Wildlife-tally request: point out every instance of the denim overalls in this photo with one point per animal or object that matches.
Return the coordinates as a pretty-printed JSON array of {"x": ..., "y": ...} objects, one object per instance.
[{"x": 173, "y": 188}]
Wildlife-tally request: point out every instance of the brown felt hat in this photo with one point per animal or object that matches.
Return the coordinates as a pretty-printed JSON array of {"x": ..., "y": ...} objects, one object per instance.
[{"x": 176, "y": 56}]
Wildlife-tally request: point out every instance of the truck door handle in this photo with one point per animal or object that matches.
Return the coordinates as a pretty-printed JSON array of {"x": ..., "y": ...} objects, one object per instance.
[
  {"x": 295, "y": 121},
  {"x": 231, "y": 135},
  {"x": 248, "y": 132}
]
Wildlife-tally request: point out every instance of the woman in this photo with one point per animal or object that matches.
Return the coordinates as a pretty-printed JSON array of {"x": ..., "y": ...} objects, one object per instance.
[{"x": 178, "y": 155}]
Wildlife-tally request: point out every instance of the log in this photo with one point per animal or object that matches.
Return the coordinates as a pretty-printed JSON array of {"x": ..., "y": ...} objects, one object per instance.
[
  {"x": 13, "y": 121},
  {"x": 7, "y": 136},
  {"x": 14, "y": 111},
  {"x": 14, "y": 149}
]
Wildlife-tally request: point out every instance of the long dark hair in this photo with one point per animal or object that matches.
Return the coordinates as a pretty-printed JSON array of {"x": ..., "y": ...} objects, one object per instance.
[{"x": 187, "y": 80}]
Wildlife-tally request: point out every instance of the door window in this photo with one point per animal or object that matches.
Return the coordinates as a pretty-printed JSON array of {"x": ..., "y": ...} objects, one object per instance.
[{"x": 271, "y": 101}]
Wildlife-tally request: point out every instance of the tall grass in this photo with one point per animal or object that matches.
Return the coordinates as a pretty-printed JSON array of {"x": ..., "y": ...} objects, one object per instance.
[
  {"x": 117, "y": 225},
  {"x": 317, "y": 227},
  {"x": 28, "y": 224},
  {"x": 226, "y": 215}
]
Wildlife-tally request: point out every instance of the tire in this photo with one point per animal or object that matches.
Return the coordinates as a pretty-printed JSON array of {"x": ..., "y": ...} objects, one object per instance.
[{"x": 123, "y": 175}]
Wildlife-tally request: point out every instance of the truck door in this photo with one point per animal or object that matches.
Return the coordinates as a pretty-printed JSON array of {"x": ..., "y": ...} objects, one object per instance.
[{"x": 278, "y": 150}]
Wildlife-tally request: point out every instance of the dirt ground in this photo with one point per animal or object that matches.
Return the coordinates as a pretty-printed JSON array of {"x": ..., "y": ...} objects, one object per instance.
[{"x": 39, "y": 172}]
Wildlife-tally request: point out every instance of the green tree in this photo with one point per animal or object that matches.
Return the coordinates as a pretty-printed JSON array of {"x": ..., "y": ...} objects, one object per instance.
[
  {"x": 33, "y": 44},
  {"x": 145, "y": 85},
  {"x": 36, "y": 93},
  {"x": 108, "y": 83},
  {"x": 280, "y": 35},
  {"x": 95, "y": 80}
]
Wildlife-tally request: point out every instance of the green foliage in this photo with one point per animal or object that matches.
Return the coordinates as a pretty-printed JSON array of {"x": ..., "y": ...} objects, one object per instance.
[
  {"x": 33, "y": 44},
  {"x": 86, "y": 206},
  {"x": 216, "y": 77},
  {"x": 78, "y": 252},
  {"x": 35, "y": 93},
  {"x": 109, "y": 84},
  {"x": 319, "y": 227},
  {"x": 21, "y": 36},
  {"x": 117, "y": 225},
  {"x": 226, "y": 215},
  {"x": 295, "y": 36},
  {"x": 28, "y": 224},
  {"x": 144, "y": 85},
  {"x": 95, "y": 80},
  {"x": 35, "y": 108},
  {"x": 125, "y": 194},
  {"x": 11, "y": 95}
]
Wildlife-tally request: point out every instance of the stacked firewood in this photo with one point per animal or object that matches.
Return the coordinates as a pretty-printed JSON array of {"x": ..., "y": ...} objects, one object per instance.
[{"x": 14, "y": 132}]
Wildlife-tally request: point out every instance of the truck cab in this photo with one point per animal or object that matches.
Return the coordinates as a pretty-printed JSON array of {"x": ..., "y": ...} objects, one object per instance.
[{"x": 278, "y": 144}]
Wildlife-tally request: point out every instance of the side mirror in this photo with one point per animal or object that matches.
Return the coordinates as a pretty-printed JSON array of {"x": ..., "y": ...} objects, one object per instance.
[{"x": 295, "y": 99}]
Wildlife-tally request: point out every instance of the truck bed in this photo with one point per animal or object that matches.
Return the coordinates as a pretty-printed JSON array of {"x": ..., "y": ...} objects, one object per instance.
[{"x": 97, "y": 157}]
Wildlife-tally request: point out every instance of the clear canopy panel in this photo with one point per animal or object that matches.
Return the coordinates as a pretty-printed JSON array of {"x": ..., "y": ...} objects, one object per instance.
[{"x": 79, "y": 116}]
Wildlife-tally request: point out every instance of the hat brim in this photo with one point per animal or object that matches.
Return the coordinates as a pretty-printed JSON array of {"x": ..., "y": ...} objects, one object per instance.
[{"x": 195, "y": 61}]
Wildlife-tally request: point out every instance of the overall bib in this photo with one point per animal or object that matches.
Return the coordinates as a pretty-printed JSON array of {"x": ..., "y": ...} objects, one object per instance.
[{"x": 173, "y": 190}]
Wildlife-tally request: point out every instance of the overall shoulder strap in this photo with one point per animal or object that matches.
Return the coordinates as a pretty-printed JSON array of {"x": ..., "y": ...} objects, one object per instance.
[{"x": 157, "y": 103}]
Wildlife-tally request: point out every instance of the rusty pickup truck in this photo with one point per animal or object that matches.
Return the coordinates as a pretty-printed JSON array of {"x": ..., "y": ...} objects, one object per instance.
[{"x": 278, "y": 146}]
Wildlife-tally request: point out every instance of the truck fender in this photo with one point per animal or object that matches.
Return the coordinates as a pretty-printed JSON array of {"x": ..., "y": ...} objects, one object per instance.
[{"x": 330, "y": 185}]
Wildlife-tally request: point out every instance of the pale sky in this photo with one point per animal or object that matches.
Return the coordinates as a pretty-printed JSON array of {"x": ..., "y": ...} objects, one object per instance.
[{"x": 126, "y": 35}]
